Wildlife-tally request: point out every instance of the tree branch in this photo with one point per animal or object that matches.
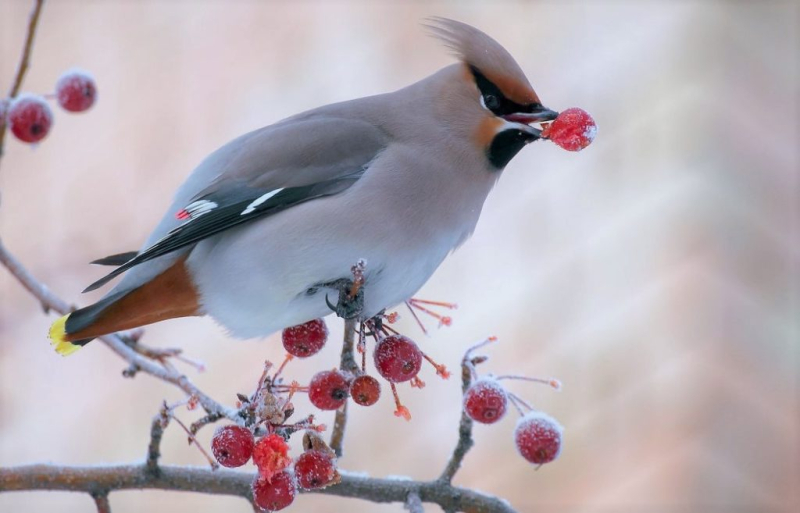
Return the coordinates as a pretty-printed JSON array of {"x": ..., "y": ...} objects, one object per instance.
[
  {"x": 157, "y": 428},
  {"x": 465, "y": 441},
  {"x": 97, "y": 480},
  {"x": 348, "y": 364},
  {"x": 24, "y": 61}
]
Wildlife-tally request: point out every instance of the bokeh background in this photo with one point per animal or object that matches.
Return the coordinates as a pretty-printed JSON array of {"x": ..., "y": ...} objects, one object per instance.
[{"x": 655, "y": 273}]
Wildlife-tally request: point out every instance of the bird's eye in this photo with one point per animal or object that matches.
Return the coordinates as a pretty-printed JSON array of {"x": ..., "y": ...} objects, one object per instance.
[{"x": 491, "y": 101}]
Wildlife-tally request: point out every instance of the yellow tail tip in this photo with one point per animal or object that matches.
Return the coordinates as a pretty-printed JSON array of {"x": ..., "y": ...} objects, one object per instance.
[{"x": 58, "y": 337}]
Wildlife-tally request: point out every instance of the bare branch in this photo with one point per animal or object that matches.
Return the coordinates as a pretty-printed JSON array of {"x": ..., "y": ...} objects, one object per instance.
[
  {"x": 97, "y": 479},
  {"x": 465, "y": 441},
  {"x": 157, "y": 428},
  {"x": 24, "y": 61},
  {"x": 347, "y": 363}
]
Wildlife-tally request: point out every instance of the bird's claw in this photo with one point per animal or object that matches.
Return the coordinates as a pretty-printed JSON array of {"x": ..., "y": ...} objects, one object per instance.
[{"x": 346, "y": 307}]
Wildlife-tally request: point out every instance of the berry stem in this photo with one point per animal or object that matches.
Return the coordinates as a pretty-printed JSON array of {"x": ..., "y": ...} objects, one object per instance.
[
  {"x": 416, "y": 318},
  {"x": 552, "y": 382},
  {"x": 192, "y": 438},
  {"x": 517, "y": 400},
  {"x": 451, "y": 306},
  {"x": 401, "y": 410},
  {"x": 280, "y": 369}
]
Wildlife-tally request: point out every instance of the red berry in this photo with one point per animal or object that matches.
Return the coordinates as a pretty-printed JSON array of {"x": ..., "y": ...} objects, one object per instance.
[
  {"x": 314, "y": 469},
  {"x": 76, "y": 91},
  {"x": 486, "y": 401},
  {"x": 232, "y": 445},
  {"x": 538, "y": 437},
  {"x": 30, "y": 118},
  {"x": 573, "y": 129},
  {"x": 365, "y": 390},
  {"x": 397, "y": 358},
  {"x": 328, "y": 390},
  {"x": 274, "y": 494},
  {"x": 271, "y": 455},
  {"x": 306, "y": 339}
]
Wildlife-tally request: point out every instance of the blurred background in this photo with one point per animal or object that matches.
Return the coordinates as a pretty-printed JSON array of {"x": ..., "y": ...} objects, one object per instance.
[{"x": 655, "y": 273}]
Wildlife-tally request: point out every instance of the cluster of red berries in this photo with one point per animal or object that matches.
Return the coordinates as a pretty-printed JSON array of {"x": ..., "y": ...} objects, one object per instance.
[
  {"x": 396, "y": 357},
  {"x": 279, "y": 476},
  {"x": 573, "y": 129},
  {"x": 29, "y": 116},
  {"x": 538, "y": 436}
]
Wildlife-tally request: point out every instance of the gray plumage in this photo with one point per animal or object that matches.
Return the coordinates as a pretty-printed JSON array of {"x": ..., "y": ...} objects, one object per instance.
[{"x": 398, "y": 179}]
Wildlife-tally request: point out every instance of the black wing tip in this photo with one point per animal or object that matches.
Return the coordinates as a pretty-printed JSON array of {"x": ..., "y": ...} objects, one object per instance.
[
  {"x": 117, "y": 259},
  {"x": 99, "y": 283}
]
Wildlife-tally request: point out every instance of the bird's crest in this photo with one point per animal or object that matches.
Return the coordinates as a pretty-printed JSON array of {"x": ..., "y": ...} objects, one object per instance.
[{"x": 481, "y": 52}]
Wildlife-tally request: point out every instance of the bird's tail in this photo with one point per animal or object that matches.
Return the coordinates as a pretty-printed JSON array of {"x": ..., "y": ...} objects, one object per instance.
[
  {"x": 74, "y": 330},
  {"x": 170, "y": 294}
]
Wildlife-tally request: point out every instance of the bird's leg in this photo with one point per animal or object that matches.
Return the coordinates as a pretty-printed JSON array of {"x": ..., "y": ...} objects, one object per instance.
[
  {"x": 349, "y": 305},
  {"x": 351, "y": 293}
]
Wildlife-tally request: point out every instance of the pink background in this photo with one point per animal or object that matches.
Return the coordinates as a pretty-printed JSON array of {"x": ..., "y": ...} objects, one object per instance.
[{"x": 655, "y": 274}]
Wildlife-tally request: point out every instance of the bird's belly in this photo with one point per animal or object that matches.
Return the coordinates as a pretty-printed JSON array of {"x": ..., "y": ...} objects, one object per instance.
[{"x": 282, "y": 287}]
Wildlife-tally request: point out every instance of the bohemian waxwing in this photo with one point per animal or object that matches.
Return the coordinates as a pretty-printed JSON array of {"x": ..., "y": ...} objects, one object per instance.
[{"x": 271, "y": 223}]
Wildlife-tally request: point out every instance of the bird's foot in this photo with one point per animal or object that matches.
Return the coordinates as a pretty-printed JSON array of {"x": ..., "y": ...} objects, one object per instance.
[{"x": 350, "y": 305}]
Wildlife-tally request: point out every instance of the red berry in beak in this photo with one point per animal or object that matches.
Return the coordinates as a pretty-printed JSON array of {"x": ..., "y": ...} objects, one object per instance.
[{"x": 573, "y": 129}]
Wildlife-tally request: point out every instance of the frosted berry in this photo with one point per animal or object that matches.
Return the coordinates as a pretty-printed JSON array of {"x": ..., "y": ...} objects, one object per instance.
[
  {"x": 276, "y": 493},
  {"x": 314, "y": 469},
  {"x": 486, "y": 401},
  {"x": 538, "y": 437},
  {"x": 397, "y": 358},
  {"x": 365, "y": 390},
  {"x": 305, "y": 340},
  {"x": 232, "y": 446},
  {"x": 271, "y": 455},
  {"x": 573, "y": 129},
  {"x": 30, "y": 118},
  {"x": 328, "y": 390},
  {"x": 76, "y": 91}
]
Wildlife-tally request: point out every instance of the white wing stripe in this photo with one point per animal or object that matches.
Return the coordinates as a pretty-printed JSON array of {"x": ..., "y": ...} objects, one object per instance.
[{"x": 258, "y": 201}]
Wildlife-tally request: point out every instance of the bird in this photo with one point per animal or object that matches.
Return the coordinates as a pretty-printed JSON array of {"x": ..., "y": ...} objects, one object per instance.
[{"x": 271, "y": 223}]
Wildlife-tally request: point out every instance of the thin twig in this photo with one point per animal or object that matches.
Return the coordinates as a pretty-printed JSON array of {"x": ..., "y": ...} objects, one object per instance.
[
  {"x": 24, "y": 62},
  {"x": 101, "y": 501},
  {"x": 157, "y": 428},
  {"x": 414, "y": 503},
  {"x": 227, "y": 482},
  {"x": 465, "y": 441},
  {"x": 348, "y": 364}
]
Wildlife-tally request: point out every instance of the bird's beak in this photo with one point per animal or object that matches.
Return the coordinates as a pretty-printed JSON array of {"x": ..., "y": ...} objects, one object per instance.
[{"x": 537, "y": 115}]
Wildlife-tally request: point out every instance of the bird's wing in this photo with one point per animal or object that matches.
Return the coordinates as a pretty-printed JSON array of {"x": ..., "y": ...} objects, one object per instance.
[{"x": 267, "y": 172}]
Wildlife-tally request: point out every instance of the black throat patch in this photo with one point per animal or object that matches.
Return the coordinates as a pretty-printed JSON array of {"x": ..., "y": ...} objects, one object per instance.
[{"x": 506, "y": 145}]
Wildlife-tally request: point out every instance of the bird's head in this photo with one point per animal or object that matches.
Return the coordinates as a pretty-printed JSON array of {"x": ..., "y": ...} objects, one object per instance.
[{"x": 490, "y": 96}]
